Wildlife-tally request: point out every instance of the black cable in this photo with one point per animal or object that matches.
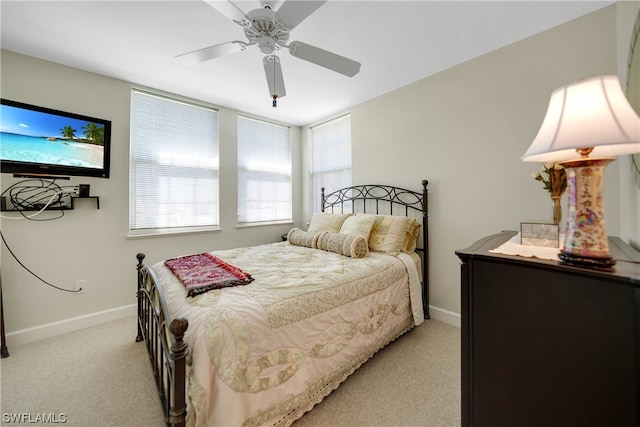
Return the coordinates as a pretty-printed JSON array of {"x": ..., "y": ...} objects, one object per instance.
[
  {"x": 46, "y": 195},
  {"x": 34, "y": 197},
  {"x": 32, "y": 273}
]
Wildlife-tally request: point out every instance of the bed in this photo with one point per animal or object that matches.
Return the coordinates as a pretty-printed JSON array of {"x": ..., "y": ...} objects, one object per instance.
[{"x": 297, "y": 318}]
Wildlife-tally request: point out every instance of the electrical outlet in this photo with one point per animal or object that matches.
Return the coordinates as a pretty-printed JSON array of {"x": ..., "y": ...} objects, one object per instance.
[{"x": 81, "y": 286}]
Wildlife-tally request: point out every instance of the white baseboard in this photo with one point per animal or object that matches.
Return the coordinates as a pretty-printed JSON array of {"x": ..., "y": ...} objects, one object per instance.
[
  {"x": 36, "y": 333},
  {"x": 445, "y": 316}
]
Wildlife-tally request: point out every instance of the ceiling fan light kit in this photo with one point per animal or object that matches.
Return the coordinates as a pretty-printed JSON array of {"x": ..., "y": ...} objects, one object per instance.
[{"x": 269, "y": 30}]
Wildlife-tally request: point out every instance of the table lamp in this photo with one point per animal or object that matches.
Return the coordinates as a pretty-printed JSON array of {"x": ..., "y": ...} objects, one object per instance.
[{"x": 587, "y": 125}]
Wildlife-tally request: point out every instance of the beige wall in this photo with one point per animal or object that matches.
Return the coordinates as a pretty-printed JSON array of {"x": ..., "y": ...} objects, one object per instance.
[
  {"x": 629, "y": 192},
  {"x": 465, "y": 130},
  {"x": 92, "y": 244}
]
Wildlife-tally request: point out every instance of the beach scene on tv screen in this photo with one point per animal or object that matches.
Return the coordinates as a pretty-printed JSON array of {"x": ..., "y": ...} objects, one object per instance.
[{"x": 39, "y": 137}]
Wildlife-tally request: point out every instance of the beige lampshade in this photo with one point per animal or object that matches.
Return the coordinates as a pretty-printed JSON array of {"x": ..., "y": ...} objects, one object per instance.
[{"x": 590, "y": 113}]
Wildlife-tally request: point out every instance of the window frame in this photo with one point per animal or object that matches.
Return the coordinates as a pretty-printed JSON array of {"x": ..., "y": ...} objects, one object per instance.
[
  {"x": 240, "y": 167},
  {"x": 133, "y": 161},
  {"x": 315, "y": 188}
]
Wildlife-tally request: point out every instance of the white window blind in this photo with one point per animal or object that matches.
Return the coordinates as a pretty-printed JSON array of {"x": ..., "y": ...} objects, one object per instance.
[
  {"x": 173, "y": 163},
  {"x": 264, "y": 172},
  {"x": 330, "y": 157}
]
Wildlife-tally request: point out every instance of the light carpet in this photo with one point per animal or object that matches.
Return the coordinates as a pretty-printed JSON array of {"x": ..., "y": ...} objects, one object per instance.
[{"x": 100, "y": 376}]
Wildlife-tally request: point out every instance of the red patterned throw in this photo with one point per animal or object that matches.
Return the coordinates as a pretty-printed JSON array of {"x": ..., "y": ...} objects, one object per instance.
[{"x": 204, "y": 272}]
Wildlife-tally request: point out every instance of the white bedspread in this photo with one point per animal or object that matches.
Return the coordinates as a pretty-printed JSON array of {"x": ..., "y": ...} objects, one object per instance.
[{"x": 265, "y": 353}]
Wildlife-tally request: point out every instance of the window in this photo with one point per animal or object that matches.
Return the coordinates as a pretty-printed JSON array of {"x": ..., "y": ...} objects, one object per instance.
[
  {"x": 330, "y": 157},
  {"x": 173, "y": 164},
  {"x": 264, "y": 172}
]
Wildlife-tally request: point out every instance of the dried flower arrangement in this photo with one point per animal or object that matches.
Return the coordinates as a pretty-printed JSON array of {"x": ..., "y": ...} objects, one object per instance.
[{"x": 555, "y": 183}]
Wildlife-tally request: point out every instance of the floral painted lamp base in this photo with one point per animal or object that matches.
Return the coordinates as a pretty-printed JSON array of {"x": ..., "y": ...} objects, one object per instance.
[{"x": 585, "y": 241}]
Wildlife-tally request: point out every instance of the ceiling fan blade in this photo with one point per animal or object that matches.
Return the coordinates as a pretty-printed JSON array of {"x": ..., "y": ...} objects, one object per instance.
[
  {"x": 324, "y": 58},
  {"x": 292, "y": 12},
  {"x": 275, "y": 80},
  {"x": 230, "y": 10},
  {"x": 207, "y": 53}
]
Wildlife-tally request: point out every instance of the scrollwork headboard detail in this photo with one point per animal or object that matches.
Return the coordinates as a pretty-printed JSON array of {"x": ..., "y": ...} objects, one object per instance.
[{"x": 389, "y": 200}]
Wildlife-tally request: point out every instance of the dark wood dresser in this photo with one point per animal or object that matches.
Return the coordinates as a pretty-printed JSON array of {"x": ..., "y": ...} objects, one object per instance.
[{"x": 545, "y": 344}]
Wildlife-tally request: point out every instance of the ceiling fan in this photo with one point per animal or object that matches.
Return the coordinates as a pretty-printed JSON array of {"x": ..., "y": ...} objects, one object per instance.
[{"x": 269, "y": 30}]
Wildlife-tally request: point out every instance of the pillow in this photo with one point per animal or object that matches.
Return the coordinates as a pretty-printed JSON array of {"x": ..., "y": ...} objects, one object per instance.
[
  {"x": 358, "y": 225},
  {"x": 392, "y": 234},
  {"x": 411, "y": 241},
  {"x": 302, "y": 238},
  {"x": 325, "y": 221},
  {"x": 343, "y": 244}
]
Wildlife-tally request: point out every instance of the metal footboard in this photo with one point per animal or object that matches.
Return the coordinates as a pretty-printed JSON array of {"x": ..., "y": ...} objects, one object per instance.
[{"x": 165, "y": 344}]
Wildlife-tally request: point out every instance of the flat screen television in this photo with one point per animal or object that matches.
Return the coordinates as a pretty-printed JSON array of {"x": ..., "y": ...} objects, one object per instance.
[{"x": 41, "y": 141}]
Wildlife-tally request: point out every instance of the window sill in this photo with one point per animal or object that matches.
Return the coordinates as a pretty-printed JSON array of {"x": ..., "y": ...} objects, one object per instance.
[
  {"x": 161, "y": 232},
  {"x": 262, "y": 224}
]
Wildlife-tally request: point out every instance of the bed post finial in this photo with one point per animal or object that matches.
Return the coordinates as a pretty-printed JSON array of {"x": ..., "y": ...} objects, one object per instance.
[
  {"x": 322, "y": 199},
  {"x": 140, "y": 256},
  {"x": 178, "y": 327},
  {"x": 425, "y": 198}
]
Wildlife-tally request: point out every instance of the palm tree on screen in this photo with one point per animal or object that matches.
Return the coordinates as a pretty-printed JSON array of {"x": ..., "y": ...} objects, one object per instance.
[
  {"x": 94, "y": 133},
  {"x": 68, "y": 132}
]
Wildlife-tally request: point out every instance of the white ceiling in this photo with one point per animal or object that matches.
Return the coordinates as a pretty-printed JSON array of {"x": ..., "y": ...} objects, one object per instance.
[{"x": 397, "y": 42}]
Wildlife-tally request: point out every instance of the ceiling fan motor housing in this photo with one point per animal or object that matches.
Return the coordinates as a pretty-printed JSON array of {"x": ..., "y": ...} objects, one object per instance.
[
  {"x": 267, "y": 45},
  {"x": 266, "y": 31}
]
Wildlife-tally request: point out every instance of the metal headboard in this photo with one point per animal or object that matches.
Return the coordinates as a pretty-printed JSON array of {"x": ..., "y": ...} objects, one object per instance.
[{"x": 385, "y": 199}]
